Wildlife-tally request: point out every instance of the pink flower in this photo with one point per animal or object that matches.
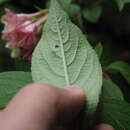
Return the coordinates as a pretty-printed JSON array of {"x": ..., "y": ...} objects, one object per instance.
[
  {"x": 24, "y": 39},
  {"x": 21, "y": 33},
  {"x": 12, "y": 20}
]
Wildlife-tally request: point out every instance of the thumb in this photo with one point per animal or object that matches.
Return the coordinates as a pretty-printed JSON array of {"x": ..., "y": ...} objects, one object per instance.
[{"x": 39, "y": 106}]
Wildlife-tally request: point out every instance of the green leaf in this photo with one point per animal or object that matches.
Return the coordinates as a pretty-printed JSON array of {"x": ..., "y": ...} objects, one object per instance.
[
  {"x": 64, "y": 57},
  {"x": 111, "y": 90},
  {"x": 93, "y": 14},
  {"x": 117, "y": 114},
  {"x": 121, "y": 3},
  {"x": 99, "y": 49},
  {"x": 73, "y": 10},
  {"x": 121, "y": 67},
  {"x": 65, "y": 3},
  {"x": 3, "y": 1},
  {"x": 11, "y": 83}
]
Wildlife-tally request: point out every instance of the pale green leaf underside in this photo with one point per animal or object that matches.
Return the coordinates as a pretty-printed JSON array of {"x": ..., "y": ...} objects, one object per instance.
[
  {"x": 11, "y": 83},
  {"x": 64, "y": 57},
  {"x": 65, "y": 3}
]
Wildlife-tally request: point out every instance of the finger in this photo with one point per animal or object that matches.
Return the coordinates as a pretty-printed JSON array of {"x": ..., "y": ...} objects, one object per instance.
[
  {"x": 39, "y": 106},
  {"x": 104, "y": 127}
]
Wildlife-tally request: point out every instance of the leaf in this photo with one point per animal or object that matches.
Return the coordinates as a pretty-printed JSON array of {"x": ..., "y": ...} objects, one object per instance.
[
  {"x": 3, "y": 1},
  {"x": 111, "y": 90},
  {"x": 121, "y": 67},
  {"x": 115, "y": 111},
  {"x": 73, "y": 10},
  {"x": 99, "y": 49},
  {"x": 11, "y": 83},
  {"x": 64, "y": 57},
  {"x": 92, "y": 14},
  {"x": 117, "y": 114},
  {"x": 65, "y": 3},
  {"x": 121, "y": 3}
]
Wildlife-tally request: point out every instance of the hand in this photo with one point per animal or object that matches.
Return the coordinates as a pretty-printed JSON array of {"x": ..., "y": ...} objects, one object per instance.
[{"x": 44, "y": 107}]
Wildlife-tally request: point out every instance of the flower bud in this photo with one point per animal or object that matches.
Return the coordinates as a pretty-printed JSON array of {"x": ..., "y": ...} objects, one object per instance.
[{"x": 21, "y": 33}]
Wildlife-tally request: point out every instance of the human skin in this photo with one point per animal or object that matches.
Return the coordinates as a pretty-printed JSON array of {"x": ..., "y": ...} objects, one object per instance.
[{"x": 44, "y": 107}]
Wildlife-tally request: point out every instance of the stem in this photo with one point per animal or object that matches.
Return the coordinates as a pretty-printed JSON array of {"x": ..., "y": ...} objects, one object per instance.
[
  {"x": 38, "y": 14},
  {"x": 42, "y": 20},
  {"x": 105, "y": 74},
  {"x": 44, "y": 11}
]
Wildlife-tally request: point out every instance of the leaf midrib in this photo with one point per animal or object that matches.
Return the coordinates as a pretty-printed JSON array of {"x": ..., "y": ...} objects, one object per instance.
[{"x": 63, "y": 54}]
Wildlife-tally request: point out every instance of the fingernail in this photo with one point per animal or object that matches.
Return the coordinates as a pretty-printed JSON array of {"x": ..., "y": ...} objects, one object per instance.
[{"x": 76, "y": 90}]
